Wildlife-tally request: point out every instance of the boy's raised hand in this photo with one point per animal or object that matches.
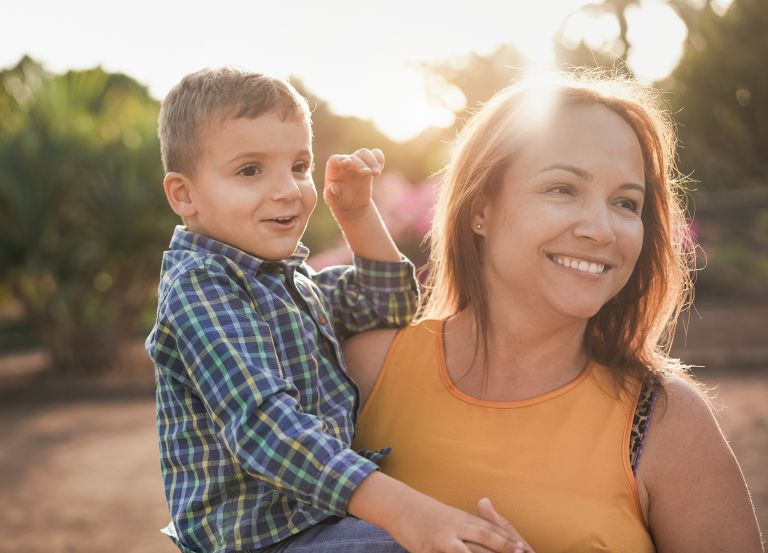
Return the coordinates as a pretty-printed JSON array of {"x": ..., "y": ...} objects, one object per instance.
[{"x": 349, "y": 181}]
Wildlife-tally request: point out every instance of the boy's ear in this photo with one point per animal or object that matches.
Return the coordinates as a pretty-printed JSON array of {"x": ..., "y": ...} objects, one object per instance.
[{"x": 177, "y": 191}]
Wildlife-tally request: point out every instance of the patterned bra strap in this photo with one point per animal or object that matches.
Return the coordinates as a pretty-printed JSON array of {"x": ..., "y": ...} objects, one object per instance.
[{"x": 641, "y": 421}]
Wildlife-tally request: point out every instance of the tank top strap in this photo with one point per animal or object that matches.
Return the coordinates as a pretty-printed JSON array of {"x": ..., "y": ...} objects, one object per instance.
[{"x": 641, "y": 421}]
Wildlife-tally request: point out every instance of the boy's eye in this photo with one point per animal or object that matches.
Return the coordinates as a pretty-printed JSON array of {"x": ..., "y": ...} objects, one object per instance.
[
  {"x": 250, "y": 170},
  {"x": 302, "y": 167}
]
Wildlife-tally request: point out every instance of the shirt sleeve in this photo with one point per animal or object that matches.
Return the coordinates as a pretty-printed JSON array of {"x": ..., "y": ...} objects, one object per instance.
[
  {"x": 231, "y": 361},
  {"x": 369, "y": 294}
]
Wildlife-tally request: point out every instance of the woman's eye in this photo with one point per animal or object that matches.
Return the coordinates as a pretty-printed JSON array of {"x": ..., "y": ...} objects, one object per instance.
[
  {"x": 561, "y": 189},
  {"x": 630, "y": 205},
  {"x": 249, "y": 171}
]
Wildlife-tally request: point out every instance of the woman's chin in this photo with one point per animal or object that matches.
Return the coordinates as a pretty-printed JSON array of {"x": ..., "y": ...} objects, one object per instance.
[{"x": 580, "y": 311}]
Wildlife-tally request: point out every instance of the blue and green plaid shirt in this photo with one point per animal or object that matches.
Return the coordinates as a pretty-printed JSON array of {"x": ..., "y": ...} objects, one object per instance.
[{"x": 255, "y": 411}]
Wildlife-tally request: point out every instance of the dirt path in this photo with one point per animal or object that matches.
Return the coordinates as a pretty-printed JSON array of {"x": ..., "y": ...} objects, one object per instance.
[{"x": 81, "y": 475}]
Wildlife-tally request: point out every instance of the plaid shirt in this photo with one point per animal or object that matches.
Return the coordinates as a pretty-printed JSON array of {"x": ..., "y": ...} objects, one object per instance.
[{"x": 255, "y": 411}]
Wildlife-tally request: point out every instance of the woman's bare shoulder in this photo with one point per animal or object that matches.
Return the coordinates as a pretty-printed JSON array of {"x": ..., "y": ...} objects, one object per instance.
[
  {"x": 364, "y": 355},
  {"x": 691, "y": 476},
  {"x": 683, "y": 409}
]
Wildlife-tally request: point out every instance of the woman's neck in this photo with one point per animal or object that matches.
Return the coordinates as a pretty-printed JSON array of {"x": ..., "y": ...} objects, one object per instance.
[{"x": 526, "y": 356}]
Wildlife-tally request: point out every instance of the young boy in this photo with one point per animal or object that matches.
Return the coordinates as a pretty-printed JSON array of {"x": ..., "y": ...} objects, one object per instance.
[{"x": 255, "y": 410}]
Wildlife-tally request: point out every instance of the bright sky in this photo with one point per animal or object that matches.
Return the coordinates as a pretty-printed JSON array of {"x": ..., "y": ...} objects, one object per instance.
[{"x": 363, "y": 57}]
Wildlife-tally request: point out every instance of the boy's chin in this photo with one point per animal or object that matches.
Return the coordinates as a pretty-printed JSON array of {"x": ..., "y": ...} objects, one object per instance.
[{"x": 272, "y": 254}]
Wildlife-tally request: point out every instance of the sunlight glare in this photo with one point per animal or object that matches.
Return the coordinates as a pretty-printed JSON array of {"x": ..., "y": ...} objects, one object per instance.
[
  {"x": 721, "y": 6},
  {"x": 657, "y": 35},
  {"x": 596, "y": 31},
  {"x": 540, "y": 99}
]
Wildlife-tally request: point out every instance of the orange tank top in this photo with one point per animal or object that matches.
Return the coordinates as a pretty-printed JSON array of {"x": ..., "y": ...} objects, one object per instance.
[{"x": 556, "y": 465}]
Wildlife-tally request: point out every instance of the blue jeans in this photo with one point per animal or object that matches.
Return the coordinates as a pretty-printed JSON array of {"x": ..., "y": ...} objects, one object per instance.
[{"x": 338, "y": 535}]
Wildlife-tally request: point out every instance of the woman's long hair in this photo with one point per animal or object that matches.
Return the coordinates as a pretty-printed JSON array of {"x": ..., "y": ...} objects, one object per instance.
[{"x": 632, "y": 333}]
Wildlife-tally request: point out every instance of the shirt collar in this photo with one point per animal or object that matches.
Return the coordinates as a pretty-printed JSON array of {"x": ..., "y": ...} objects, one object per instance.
[{"x": 185, "y": 239}]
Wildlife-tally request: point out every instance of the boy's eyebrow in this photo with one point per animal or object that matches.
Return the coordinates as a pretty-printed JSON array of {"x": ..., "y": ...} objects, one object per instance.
[
  {"x": 586, "y": 175},
  {"x": 255, "y": 154}
]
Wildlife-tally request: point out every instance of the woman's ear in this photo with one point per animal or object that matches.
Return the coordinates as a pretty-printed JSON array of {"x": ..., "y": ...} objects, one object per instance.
[
  {"x": 479, "y": 218},
  {"x": 177, "y": 191}
]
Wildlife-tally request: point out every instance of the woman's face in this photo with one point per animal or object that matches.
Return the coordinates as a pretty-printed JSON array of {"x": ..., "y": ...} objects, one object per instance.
[{"x": 564, "y": 232}]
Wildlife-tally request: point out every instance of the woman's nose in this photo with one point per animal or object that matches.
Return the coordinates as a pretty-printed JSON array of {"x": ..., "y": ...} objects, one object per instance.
[{"x": 596, "y": 224}]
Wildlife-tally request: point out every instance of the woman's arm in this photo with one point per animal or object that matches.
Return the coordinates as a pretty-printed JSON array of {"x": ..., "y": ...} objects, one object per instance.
[
  {"x": 365, "y": 354},
  {"x": 698, "y": 500}
]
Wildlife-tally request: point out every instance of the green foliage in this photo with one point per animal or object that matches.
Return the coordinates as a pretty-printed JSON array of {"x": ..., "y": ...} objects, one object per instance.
[
  {"x": 721, "y": 98},
  {"x": 720, "y": 101},
  {"x": 82, "y": 213}
]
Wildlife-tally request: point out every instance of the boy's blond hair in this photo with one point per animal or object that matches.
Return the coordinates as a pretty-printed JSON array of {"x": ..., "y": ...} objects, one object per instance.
[{"x": 216, "y": 94}]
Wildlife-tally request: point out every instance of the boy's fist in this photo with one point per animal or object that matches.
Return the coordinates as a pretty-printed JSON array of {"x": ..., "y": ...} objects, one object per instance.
[{"x": 349, "y": 181}]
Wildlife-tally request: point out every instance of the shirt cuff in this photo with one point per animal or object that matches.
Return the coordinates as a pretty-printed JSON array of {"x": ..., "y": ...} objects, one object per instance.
[
  {"x": 385, "y": 276},
  {"x": 339, "y": 480}
]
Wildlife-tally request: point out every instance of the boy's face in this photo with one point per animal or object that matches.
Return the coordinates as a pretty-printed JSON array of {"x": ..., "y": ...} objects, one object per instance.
[{"x": 253, "y": 185}]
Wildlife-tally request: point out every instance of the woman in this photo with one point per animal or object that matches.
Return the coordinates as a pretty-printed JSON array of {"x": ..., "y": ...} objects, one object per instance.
[{"x": 559, "y": 263}]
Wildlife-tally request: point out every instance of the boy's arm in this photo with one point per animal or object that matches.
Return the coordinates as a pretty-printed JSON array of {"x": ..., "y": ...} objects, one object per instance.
[
  {"x": 230, "y": 359},
  {"x": 368, "y": 294},
  {"x": 380, "y": 289},
  {"x": 231, "y": 362},
  {"x": 422, "y": 524},
  {"x": 348, "y": 193}
]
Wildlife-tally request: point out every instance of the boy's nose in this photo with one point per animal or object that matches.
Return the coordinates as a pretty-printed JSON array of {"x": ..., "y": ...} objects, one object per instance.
[
  {"x": 286, "y": 189},
  {"x": 595, "y": 223}
]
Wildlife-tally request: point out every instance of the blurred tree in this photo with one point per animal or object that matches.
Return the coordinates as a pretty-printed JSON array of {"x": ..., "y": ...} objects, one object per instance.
[
  {"x": 687, "y": 10},
  {"x": 82, "y": 214},
  {"x": 720, "y": 100},
  {"x": 480, "y": 77}
]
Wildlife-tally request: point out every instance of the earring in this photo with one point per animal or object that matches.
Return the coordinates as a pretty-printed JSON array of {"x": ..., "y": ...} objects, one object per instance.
[{"x": 478, "y": 226}]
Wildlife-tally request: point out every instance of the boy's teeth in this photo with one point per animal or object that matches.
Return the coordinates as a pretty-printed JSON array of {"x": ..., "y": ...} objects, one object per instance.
[{"x": 579, "y": 264}]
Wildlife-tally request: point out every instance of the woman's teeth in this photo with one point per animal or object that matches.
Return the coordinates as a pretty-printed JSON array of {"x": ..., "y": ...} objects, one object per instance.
[{"x": 579, "y": 264}]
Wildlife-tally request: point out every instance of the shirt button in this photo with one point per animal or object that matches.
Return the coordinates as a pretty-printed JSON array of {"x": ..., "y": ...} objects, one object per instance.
[{"x": 322, "y": 319}]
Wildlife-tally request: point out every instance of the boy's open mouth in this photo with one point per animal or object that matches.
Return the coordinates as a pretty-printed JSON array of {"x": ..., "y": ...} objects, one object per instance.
[{"x": 285, "y": 221}]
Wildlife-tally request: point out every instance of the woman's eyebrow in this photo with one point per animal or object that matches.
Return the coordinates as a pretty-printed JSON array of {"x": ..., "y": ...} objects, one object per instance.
[
  {"x": 586, "y": 175},
  {"x": 633, "y": 186},
  {"x": 578, "y": 171}
]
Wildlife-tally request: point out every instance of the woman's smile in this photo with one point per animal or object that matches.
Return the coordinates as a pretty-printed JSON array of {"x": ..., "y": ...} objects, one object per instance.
[{"x": 580, "y": 264}]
